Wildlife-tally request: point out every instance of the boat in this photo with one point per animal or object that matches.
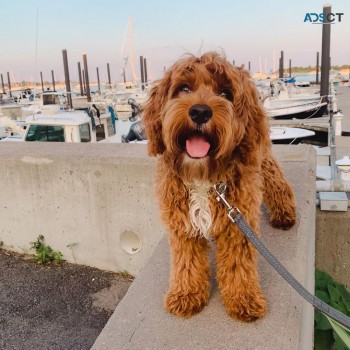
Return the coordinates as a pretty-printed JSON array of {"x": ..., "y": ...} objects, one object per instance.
[
  {"x": 297, "y": 110},
  {"x": 49, "y": 120},
  {"x": 285, "y": 135},
  {"x": 10, "y": 127},
  {"x": 3, "y": 132},
  {"x": 282, "y": 93},
  {"x": 9, "y": 108},
  {"x": 23, "y": 96},
  {"x": 76, "y": 126},
  {"x": 46, "y": 102},
  {"x": 278, "y": 135},
  {"x": 60, "y": 128}
]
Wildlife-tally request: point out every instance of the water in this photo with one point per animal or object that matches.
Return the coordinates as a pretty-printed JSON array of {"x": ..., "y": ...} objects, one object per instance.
[
  {"x": 305, "y": 77},
  {"x": 312, "y": 77}
]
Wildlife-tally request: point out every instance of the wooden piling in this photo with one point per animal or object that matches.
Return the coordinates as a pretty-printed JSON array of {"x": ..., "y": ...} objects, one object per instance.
[
  {"x": 290, "y": 68},
  {"x": 98, "y": 80},
  {"x": 88, "y": 94},
  {"x": 326, "y": 48},
  {"x": 53, "y": 80},
  {"x": 109, "y": 76},
  {"x": 2, "y": 84},
  {"x": 281, "y": 66},
  {"x": 67, "y": 80},
  {"x": 145, "y": 71},
  {"x": 42, "y": 81},
  {"x": 80, "y": 80},
  {"x": 142, "y": 73},
  {"x": 9, "y": 84},
  {"x": 84, "y": 84},
  {"x": 317, "y": 67}
]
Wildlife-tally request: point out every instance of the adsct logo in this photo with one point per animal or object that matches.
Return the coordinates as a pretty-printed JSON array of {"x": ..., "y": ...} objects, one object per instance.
[{"x": 318, "y": 18}]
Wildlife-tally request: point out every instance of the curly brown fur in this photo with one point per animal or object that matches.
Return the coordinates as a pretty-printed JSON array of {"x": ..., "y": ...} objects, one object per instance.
[{"x": 197, "y": 149}]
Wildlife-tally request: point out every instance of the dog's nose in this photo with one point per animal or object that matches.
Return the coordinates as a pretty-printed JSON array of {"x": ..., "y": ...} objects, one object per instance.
[{"x": 200, "y": 114}]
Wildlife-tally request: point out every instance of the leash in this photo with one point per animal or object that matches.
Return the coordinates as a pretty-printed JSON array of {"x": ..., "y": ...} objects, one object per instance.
[{"x": 236, "y": 217}]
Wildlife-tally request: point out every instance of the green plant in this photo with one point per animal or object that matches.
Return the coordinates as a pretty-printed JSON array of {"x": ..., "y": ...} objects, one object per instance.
[
  {"x": 336, "y": 295},
  {"x": 44, "y": 253},
  {"x": 1, "y": 244},
  {"x": 126, "y": 274},
  {"x": 71, "y": 246}
]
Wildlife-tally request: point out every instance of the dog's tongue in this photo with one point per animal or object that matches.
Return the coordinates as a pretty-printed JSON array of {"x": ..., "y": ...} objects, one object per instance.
[{"x": 197, "y": 147}]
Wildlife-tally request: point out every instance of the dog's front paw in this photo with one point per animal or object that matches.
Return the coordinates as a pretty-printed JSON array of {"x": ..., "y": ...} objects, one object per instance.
[
  {"x": 248, "y": 308},
  {"x": 284, "y": 220},
  {"x": 185, "y": 305}
]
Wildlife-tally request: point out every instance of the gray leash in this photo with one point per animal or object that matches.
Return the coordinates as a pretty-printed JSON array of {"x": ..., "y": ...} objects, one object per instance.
[{"x": 248, "y": 232}]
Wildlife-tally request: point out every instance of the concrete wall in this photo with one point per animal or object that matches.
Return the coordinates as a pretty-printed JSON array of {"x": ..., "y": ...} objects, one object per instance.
[
  {"x": 88, "y": 196},
  {"x": 96, "y": 198},
  {"x": 333, "y": 244}
]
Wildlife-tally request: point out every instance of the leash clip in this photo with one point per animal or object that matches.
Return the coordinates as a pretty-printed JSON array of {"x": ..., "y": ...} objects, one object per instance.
[{"x": 219, "y": 190}]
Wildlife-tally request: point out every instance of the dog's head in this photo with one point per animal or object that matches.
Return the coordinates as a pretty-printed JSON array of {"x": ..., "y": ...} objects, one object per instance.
[{"x": 201, "y": 113}]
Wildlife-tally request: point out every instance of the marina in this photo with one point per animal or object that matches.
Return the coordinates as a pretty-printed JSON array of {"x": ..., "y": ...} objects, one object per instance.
[
  {"x": 101, "y": 175},
  {"x": 76, "y": 169}
]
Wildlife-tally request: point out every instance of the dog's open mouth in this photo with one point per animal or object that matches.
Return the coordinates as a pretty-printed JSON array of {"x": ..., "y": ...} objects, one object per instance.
[{"x": 196, "y": 145}]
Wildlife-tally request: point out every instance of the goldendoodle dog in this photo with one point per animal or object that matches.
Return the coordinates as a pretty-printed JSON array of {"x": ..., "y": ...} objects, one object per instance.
[{"x": 206, "y": 124}]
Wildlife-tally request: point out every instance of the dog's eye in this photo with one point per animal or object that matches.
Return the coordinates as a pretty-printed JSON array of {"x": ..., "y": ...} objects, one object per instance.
[
  {"x": 185, "y": 88},
  {"x": 181, "y": 88},
  {"x": 226, "y": 94}
]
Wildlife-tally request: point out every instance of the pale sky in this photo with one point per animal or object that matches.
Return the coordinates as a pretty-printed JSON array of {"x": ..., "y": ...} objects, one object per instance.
[{"x": 163, "y": 30}]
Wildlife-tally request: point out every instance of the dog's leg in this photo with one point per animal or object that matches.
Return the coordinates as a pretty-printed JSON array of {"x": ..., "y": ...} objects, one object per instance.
[
  {"x": 190, "y": 269},
  {"x": 236, "y": 273},
  {"x": 278, "y": 195}
]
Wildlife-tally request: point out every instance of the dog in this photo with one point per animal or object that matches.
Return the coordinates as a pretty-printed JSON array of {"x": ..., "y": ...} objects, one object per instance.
[{"x": 206, "y": 124}]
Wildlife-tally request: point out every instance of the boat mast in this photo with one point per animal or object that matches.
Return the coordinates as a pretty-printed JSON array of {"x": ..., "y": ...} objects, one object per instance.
[
  {"x": 36, "y": 46},
  {"x": 132, "y": 60}
]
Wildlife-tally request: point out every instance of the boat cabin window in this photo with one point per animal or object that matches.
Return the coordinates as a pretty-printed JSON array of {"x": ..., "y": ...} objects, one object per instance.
[
  {"x": 51, "y": 100},
  {"x": 85, "y": 135},
  {"x": 46, "y": 133},
  {"x": 100, "y": 133}
]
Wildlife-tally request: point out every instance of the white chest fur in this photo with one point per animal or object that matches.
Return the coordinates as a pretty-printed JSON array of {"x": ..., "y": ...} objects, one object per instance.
[{"x": 199, "y": 208}]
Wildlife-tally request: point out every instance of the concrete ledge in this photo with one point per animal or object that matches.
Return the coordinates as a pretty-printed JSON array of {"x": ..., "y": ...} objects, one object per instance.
[
  {"x": 90, "y": 201},
  {"x": 140, "y": 323}
]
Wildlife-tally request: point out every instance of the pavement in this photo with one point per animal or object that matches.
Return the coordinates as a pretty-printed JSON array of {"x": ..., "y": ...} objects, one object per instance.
[{"x": 54, "y": 307}]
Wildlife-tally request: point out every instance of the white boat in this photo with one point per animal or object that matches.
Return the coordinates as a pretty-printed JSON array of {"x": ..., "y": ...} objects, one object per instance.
[
  {"x": 285, "y": 135},
  {"x": 302, "y": 110},
  {"x": 282, "y": 94},
  {"x": 46, "y": 102},
  {"x": 10, "y": 127},
  {"x": 9, "y": 108},
  {"x": 74, "y": 126},
  {"x": 3, "y": 132}
]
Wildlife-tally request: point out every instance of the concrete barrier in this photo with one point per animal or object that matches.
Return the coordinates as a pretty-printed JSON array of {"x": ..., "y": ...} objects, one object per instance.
[
  {"x": 94, "y": 203},
  {"x": 333, "y": 244},
  {"x": 140, "y": 322}
]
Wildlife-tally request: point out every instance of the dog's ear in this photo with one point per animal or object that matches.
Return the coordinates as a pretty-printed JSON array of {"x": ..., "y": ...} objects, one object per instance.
[
  {"x": 152, "y": 116},
  {"x": 257, "y": 131}
]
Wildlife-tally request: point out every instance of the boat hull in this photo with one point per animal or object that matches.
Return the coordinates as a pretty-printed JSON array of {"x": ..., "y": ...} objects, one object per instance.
[{"x": 317, "y": 112}]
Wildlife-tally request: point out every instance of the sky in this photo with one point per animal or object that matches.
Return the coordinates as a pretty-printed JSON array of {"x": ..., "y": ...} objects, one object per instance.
[{"x": 35, "y": 32}]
